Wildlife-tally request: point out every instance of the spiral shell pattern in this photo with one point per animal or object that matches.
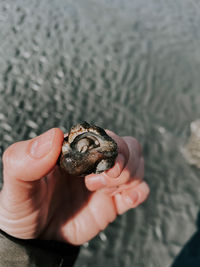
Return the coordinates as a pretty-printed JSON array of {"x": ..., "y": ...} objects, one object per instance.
[{"x": 87, "y": 149}]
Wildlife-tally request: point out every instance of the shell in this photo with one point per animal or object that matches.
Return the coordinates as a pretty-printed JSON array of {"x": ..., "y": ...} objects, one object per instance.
[
  {"x": 191, "y": 150},
  {"x": 87, "y": 149}
]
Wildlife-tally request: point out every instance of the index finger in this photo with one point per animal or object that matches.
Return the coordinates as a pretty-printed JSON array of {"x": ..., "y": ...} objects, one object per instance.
[
  {"x": 122, "y": 146},
  {"x": 122, "y": 158}
]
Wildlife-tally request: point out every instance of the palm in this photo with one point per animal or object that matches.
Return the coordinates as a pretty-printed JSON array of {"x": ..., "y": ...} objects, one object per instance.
[
  {"x": 58, "y": 207},
  {"x": 75, "y": 214}
]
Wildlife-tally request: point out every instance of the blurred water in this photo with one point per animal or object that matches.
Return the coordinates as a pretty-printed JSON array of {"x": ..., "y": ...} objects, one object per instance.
[{"x": 131, "y": 66}]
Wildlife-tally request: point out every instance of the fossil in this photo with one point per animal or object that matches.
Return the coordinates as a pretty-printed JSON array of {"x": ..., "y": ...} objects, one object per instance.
[{"x": 87, "y": 149}]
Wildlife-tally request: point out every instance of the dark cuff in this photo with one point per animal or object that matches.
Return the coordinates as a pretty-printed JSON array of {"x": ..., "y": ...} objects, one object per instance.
[{"x": 35, "y": 253}]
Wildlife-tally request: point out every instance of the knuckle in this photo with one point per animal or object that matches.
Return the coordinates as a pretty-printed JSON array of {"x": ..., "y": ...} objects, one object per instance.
[
  {"x": 120, "y": 180},
  {"x": 124, "y": 178},
  {"x": 133, "y": 142}
]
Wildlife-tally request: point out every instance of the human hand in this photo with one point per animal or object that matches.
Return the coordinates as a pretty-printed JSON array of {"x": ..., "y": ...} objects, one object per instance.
[{"x": 39, "y": 200}]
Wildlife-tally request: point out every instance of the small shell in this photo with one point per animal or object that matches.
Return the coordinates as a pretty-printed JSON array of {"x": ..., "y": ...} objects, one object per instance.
[
  {"x": 191, "y": 151},
  {"x": 87, "y": 149}
]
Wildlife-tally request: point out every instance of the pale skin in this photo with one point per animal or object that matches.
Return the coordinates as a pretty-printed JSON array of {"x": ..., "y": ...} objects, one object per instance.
[{"x": 39, "y": 200}]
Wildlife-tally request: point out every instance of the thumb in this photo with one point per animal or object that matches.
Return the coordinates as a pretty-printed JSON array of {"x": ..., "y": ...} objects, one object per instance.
[{"x": 32, "y": 159}]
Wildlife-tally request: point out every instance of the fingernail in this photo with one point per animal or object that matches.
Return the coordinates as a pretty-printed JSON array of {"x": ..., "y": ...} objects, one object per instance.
[
  {"x": 96, "y": 182},
  {"x": 115, "y": 171},
  {"x": 42, "y": 144},
  {"x": 132, "y": 198}
]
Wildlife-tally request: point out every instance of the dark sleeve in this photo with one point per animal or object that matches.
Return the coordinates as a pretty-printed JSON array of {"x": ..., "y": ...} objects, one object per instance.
[
  {"x": 190, "y": 253},
  {"x": 35, "y": 253}
]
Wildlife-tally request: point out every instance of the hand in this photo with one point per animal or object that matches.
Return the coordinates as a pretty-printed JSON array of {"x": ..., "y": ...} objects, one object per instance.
[{"x": 39, "y": 200}]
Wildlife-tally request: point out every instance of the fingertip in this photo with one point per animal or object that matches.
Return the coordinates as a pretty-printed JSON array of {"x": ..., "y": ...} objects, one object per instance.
[
  {"x": 59, "y": 133},
  {"x": 48, "y": 160},
  {"x": 121, "y": 144},
  {"x": 137, "y": 195},
  {"x": 95, "y": 182},
  {"x": 144, "y": 189},
  {"x": 57, "y": 142},
  {"x": 111, "y": 133},
  {"x": 32, "y": 159},
  {"x": 45, "y": 145}
]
